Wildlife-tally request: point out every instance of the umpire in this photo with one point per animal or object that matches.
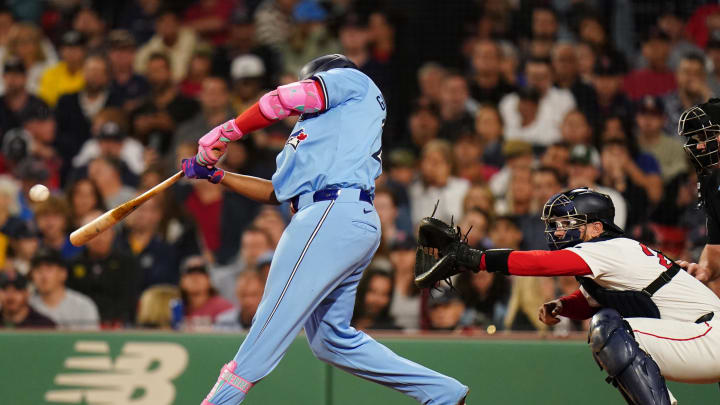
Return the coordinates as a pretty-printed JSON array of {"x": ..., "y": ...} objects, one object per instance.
[{"x": 700, "y": 125}]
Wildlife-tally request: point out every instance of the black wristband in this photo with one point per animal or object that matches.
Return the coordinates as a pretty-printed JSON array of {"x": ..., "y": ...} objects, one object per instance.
[{"x": 496, "y": 260}]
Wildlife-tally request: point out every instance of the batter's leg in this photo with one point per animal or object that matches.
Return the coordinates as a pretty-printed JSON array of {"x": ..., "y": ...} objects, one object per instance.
[
  {"x": 334, "y": 341},
  {"x": 318, "y": 250}
]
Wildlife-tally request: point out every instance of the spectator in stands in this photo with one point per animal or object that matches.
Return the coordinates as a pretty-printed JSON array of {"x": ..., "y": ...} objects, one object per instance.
[
  {"x": 553, "y": 104},
  {"x": 171, "y": 39},
  {"x": 154, "y": 306},
  {"x": 87, "y": 22},
  {"x": 457, "y": 109},
  {"x": 406, "y": 301},
  {"x": 485, "y": 295},
  {"x": 557, "y": 156},
  {"x": 467, "y": 154},
  {"x": 158, "y": 260},
  {"x": 41, "y": 127},
  {"x": 249, "y": 288},
  {"x": 198, "y": 71},
  {"x": 52, "y": 217},
  {"x": 430, "y": 78},
  {"x": 607, "y": 82},
  {"x": 713, "y": 53},
  {"x": 110, "y": 139},
  {"x": 24, "y": 242},
  {"x": 156, "y": 119},
  {"x": 9, "y": 209},
  {"x": 487, "y": 84},
  {"x": 587, "y": 59},
  {"x": 15, "y": 309},
  {"x": 544, "y": 27},
  {"x": 437, "y": 183},
  {"x": 566, "y": 75},
  {"x": 424, "y": 124},
  {"x": 518, "y": 155},
  {"x": 479, "y": 197},
  {"x": 27, "y": 43},
  {"x": 106, "y": 173},
  {"x": 385, "y": 204},
  {"x": 670, "y": 22},
  {"x": 271, "y": 221},
  {"x": 255, "y": 243},
  {"x": 76, "y": 111},
  {"x": 209, "y": 18},
  {"x": 576, "y": 130},
  {"x": 445, "y": 311},
  {"x": 666, "y": 148},
  {"x": 518, "y": 199},
  {"x": 692, "y": 88},
  {"x": 215, "y": 109},
  {"x": 248, "y": 77},
  {"x": 584, "y": 171},
  {"x": 202, "y": 302},
  {"x": 273, "y": 19},
  {"x": 16, "y": 103},
  {"x": 84, "y": 196},
  {"x": 372, "y": 305},
  {"x": 108, "y": 276},
  {"x": 309, "y": 37},
  {"x": 242, "y": 41},
  {"x": 67, "y": 75},
  {"x": 69, "y": 309},
  {"x": 656, "y": 79},
  {"x": 489, "y": 131},
  {"x": 129, "y": 87}
]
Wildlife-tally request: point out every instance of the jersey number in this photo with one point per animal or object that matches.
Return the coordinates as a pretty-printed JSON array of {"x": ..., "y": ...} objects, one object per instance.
[{"x": 663, "y": 260}]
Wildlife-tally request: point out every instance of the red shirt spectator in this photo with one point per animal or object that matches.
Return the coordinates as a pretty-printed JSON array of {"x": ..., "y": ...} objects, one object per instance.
[{"x": 209, "y": 18}]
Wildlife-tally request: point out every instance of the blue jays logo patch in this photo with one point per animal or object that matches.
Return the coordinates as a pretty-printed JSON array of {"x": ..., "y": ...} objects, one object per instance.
[{"x": 297, "y": 137}]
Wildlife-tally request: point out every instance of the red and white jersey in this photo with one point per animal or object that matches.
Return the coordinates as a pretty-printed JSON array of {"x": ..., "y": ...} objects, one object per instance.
[{"x": 626, "y": 264}]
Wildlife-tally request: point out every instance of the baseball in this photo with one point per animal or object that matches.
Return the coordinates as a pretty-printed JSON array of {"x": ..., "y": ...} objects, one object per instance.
[{"x": 39, "y": 193}]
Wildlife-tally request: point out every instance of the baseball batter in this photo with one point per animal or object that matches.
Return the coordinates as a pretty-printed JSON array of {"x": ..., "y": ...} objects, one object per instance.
[
  {"x": 650, "y": 319},
  {"x": 327, "y": 170}
]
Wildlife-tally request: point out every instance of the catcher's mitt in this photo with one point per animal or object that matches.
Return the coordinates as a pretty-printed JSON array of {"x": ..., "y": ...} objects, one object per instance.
[{"x": 442, "y": 252}]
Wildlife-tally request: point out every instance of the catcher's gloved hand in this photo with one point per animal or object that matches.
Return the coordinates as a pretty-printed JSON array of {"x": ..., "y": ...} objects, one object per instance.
[
  {"x": 442, "y": 252},
  {"x": 194, "y": 170}
]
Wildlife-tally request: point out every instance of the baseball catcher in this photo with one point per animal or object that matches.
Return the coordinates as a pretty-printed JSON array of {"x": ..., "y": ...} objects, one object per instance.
[{"x": 650, "y": 320}]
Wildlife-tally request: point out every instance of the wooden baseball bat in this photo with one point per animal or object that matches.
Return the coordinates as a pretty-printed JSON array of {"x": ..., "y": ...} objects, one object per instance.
[{"x": 88, "y": 231}]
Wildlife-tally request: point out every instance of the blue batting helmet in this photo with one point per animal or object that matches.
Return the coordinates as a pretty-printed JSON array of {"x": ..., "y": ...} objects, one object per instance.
[{"x": 325, "y": 63}]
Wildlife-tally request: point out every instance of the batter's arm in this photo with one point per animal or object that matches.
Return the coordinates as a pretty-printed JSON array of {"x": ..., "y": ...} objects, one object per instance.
[{"x": 254, "y": 188}]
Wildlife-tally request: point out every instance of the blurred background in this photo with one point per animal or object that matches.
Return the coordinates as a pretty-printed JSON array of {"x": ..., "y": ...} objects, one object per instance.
[{"x": 493, "y": 106}]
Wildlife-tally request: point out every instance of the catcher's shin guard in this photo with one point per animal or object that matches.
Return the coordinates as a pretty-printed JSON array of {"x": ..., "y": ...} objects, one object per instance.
[{"x": 630, "y": 369}]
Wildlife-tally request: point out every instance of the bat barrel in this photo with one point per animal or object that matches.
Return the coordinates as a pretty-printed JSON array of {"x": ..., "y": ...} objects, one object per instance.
[{"x": 88, "y": 231}]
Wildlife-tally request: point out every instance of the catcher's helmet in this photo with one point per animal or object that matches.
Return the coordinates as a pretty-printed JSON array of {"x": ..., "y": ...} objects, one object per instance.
[
  {"x": 569, "y": 210},
  {"x": 325, "y": 63},
  {"x": 700, "y": 124}
]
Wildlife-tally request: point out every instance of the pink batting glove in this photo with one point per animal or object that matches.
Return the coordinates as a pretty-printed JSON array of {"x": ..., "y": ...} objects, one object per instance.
[{"x": 212, "y": 145}]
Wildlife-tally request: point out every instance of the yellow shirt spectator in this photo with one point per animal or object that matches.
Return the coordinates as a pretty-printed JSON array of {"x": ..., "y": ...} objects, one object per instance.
[{"x": 58, "y": 80}]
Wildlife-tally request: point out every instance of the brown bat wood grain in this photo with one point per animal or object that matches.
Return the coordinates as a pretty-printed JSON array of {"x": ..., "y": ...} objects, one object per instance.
[{"x": 88, "y": 231}]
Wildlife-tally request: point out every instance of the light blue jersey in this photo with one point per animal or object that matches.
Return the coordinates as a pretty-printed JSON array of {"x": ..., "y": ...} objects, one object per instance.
[{"x": 339, "y": 147}]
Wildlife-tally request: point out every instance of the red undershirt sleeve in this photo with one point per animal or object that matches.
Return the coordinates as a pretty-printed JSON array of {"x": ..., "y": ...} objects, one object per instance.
[
  {"x": 547, "y": 263},
  {"x": 575, "y": 306},
  {"x": 253, "y": 119}
]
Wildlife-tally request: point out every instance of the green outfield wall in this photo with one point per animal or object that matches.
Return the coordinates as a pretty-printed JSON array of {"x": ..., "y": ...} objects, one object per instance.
[{"x": 166, "y": 368}]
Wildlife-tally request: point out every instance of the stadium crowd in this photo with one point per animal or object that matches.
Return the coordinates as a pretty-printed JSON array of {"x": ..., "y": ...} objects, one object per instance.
[{"x": 494, "y": 106}]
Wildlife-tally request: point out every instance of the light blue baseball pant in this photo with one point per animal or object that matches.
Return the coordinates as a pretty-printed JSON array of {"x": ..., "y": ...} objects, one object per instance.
[{"x": 312, "y": 283}]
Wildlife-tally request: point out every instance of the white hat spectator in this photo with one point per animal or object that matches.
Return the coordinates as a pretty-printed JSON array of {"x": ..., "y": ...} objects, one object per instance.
[{"x": 247, "y": 67}]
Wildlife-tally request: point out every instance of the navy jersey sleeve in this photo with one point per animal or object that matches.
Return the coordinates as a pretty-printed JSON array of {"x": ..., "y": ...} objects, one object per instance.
[{"x": 341, "y": 85}]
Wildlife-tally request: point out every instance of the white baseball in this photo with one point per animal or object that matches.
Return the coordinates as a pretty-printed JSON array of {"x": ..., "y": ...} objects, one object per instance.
[{"x": 39, "y": 193}]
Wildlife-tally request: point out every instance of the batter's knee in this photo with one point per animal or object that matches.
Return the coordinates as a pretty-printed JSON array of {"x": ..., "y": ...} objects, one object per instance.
[{"x": 325, "y": 343}]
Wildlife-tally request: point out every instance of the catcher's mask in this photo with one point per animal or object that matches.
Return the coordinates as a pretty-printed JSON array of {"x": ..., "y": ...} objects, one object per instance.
[
  {"x": 566, "y": 212},
  {"x": 700, "y": 124}
]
